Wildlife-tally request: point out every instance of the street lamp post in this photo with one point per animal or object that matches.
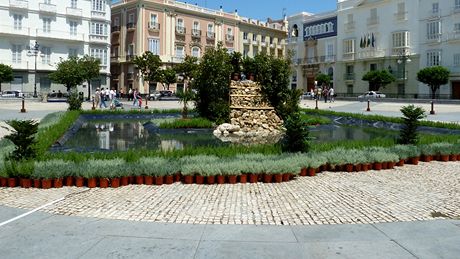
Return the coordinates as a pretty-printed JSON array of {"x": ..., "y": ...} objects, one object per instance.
[
  {"x": 34, "y": 50},
  {"x": 403, "y": 59}
]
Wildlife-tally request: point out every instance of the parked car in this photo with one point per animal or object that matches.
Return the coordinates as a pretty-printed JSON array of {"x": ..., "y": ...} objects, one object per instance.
[
  {"x": 308, "y": 95},
  {"x": 12, "y": 93},
  {"x": 371, "y": 95},
  {"x": 166, "y": 93},
  {"x": 155, "y": 96}
]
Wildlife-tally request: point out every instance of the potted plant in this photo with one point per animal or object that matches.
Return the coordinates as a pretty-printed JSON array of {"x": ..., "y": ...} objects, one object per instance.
[
  {"x": 317, "y": 161},
  {"x": 3, "y": 175},
  {"x": 188, "y": 171},
  {"x": 115, "y": 177},
  {"x": 427, "y": 153},
  {"x": 442, "y": 150},
  {"x": 11, "y": 169},
  {"x": 249, "y": 68},
  {"x": 236, "y": 65},
  {"x": 43, "y": 172},
  {"x": 404, "y": 152},
  {"x": 25, "y": 170}
]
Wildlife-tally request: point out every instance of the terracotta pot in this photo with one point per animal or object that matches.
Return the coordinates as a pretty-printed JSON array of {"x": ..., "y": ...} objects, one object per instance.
[
  {"x": 286, "y": 177},
  {"x": 377, "y": 166},
  {"x": 148, "y": 180},
  {"x": 159, "y": 180},
  {"x": 278, "y": 178},
  {"x": 453, "y": 157},
  {"x": 384, "y": 165},
  {"x": 177, "y": 177},
  {"x": 303, "y": 171},
  {"x": 12, "y": 182},
  {"x": 188, "y": 179},
  {"x": 358, "y": 167},
  {"x": 69, "y": 181},
  {"x": 220, "y": 179},
  {"x": 339, "y": 168},
  {"x": 124, "y": 180},
  {"x": 370, "y": 166},
  {"x": 444, "y": 158},
  {"x": 458, "y": 157},
  {"x": 400, "y": 163},
  {"x": 243, "y": 178},
  {"x": 349, "y": 168},
  {"x": 437, "y": 157},
  {"x": 25, "y": 182},
  {"x": 312, "y": 171},
  {"x": 232, "y": 179},
  {"x": 210, "y": 179},
  {"x": 104, "y": 182},
  {"x": 3, "y": 182},
  {"x": 169, "y": 179},
  {"x": 79, "y": 181},
  {"x": 414, "y": 160},
  {"x": 391, "y": 165},
  {"x": 37, "y": 183},
  {"x": 139, "y": 179},
  {"x": 132, "y": 179},
  {"x": 199, "y": 179},
  {"x": 92, "y": 182},
  {"x": 115, "y": 182},
  {"x": 253, "y": 178},
  {"x": 251, "y": 76},
  {"x": 57, "y": 183},
  {"x": 364, "y": 167},
  {"x": 426, "y": 158},
  {"x": 324, "y": 167},
  {"x": 46, "y": 183},
  {"x": 268, "y": 178}
]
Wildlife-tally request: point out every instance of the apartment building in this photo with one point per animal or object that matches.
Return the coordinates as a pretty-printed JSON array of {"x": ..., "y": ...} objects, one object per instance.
[
  {"x": 312, "y": 41},
  {"x": 36, "y": 35},
  {"x": 173, "y": 29}
]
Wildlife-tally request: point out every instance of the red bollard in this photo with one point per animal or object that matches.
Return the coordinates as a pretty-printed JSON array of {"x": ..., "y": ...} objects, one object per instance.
[
  {"x": 432, "y": 108},
  {"x": 368, "y": 106},
  {"x": 23, "y": 109}
]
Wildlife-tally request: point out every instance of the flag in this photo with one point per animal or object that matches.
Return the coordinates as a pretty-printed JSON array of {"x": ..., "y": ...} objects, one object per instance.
[
  {"x": 361, "y": 43},
  {"x": 368, "y": 40},
  {"x": 373, "y": 40}
]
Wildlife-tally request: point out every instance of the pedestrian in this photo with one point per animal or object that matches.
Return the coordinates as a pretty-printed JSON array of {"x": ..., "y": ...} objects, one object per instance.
[
  {"x": 102, "y": 97},
  {"x": 331, "y": 95},
  {"x": 97, "y": 97},
  {"x": 112, "y": 97},
  {"x": 325, "y": 94},
  {"x": 130, "y": 94},
  {"x": 135, "y": 101}
]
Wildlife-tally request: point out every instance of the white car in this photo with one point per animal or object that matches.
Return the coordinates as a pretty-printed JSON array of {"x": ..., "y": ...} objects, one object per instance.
[
  {"x": 308, "y": 95},
  {"x": 371, "y": 95},
  {"x": 12, "y": 93}
]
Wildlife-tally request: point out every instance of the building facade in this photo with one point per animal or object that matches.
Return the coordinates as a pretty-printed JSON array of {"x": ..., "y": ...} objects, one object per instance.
[
  {"x": 173, "y": 29},
  {"x": 36, "y": 35},
  {"x": 312, "y": 42}
]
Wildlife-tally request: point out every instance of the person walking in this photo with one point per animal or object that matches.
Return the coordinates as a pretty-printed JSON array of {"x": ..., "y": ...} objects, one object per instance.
[
  {"x": 325, "y": 94},
  {"x": 102, "y": 97},
  {"x": 130, "y": 94},
  {"x": 331, "y": 95},
  {"x": 97, "y": 97},
  {"x": 135, "y": 101},
  {"x": 112, "y": 97}
]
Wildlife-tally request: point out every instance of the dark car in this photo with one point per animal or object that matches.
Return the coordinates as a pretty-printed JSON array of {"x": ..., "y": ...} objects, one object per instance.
[{"x": 166, "y": 93}]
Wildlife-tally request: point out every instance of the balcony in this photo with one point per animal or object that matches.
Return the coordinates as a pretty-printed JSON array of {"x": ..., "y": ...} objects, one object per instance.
[
  {"x": 74, "y": 12},
  {"x": 348, "y": 56},
  {"x": 210, "y": 35},
  {"x": 18, "y": 31},
  {"x": 399, "y": 75},
  {"x": 263, "y": 44},
  {"x": 229, "y": 38},
  {"x": 401, "y": 16},
  {"x": 115, "y": 29},
  {"x": 272, "y": 45},
  {"x": 19, "y": 4},
  {"x": 372, "y": 53},
  {"x": 47, "y": 8},
  {"x": 255, "y": 42},
  {"x": 453, "y": 36},
  {"x": 196, "y": 33},
  {"x": 99, "y": 38},
  {"x": 434, "y": 38},
  {"x": 292, "y": 40},
  {"x": 349, "y": 26},
  {"x": 456, "y": 9},
  {"x": 19, "y": 64},
  {"x": 181, "y": 30},
  {"x": 154, "y": 26},
  {"x": 130, "y": 57},
  {"x": 131, "y": 26},
  {"x": 98, "y": 15},
  {"x": 246, "y": 41},
  {"x": 397, "y": 51},
  {"x": 114, "y": 59},
  {"x": 349, "y": 76},
  {"x": 60, "y": 35},
  {"x": 177, "y": 59},
  {"x": 371, "y": 21}
]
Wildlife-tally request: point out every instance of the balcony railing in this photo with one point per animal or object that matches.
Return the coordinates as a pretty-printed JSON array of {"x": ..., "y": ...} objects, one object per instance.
[
  {"x": 246, "y": 41},
  {"x": 98, "y": 14},
  {"x": 47, "y": 8},
  {"x": 397, "y": 51},
  {"x": 348, "y": 56},
  {"x": 255, "y": 42},
  {"x": 19, "y": 64},
  {"x": 131, "y": 26},
  {"x": 372, "y": 21},
  {"x": 7, "y": 29},
  {"x": 130, "y": 57},
  {"x": 453, "y": 36},
  {"x": 181, "y": 30},
  {"x": 349, "y": 76},
  {"x": 154, "y": 26},
  {"x": 229, "y": 38},
  {"x": 272, "y": 45},
  {"x": 401, "y": 16},
  {"x": 115, "y": 29},
  {"x": 114, "y": 59},
  {"x": 19, "y": 4},
  {"x": 263, "y": 44},
  {"x": 399, "y": 75},
  {"x": 61, "y": 35},
  {"x": 372, "y": 53},
  {"x": 75, "y": 12},
  {"x": 210, "y": 35},
  {"x": 98, "y": 38},
  {"x": 435, "y": 37},
  {"x": 178, "y": 59},
  {"x": 350, "y": 25},
  {"x": 292, "y": 40},
  {"x": 196, "y": 33}
]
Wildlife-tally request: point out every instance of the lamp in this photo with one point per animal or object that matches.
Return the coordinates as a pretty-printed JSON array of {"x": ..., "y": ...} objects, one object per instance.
[{"x": 33, "y": 51}]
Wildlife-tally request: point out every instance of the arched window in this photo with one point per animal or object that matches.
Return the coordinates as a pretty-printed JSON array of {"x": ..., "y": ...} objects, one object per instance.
[
  {"x": 196, "y": 52},
  {"x": 295, "y": 31},
  {"x": 330, "y": 72}
]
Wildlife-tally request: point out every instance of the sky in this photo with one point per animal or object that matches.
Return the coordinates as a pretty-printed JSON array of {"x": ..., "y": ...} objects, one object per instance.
[{"x": 262, "y": 9}]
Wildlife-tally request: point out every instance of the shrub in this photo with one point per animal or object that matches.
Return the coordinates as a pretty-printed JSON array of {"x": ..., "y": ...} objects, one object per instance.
[
  {"x": 296, "y": 137},
  {"x": 53, "y": 169},
  {"x": 23, "y": 138},
  {"x": 405, "y": 151},
  {"x": 412, "y": 115},
  {"x": 74, "y": 101},
  {"x": 186, "y": 123},
  {"x": 149, "y": 165},
  {"x": 441, "y": 148}
]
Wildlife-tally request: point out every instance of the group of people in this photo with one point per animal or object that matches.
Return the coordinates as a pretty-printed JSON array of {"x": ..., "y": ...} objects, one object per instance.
[
  {"x": 327, "y": 93},
  {"x": 136, "y": 97},
  {"x": 102, "y": 96}
]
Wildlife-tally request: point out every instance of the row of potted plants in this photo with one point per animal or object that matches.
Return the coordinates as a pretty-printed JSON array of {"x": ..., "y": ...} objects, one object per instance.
[{"x": 207, "y": 169}]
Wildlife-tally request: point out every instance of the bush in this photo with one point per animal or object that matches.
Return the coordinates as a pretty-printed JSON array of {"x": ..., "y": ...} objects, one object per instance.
[
  {"x": 74, "y": 101},
  {"x": 186, "y": 123},
  {"x": 23, "y": 138},
  {"x": 412, "y": 115},
  {"x": 296, "y": 137}
]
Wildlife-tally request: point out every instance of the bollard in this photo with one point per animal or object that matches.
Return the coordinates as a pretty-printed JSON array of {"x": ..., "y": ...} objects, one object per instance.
[
  {"x": 368, "y": 105},
  {"x": 146, "y": 100},
  {"x": 432, "y": 108},
  {"x": 316, "y": 107},
  {"x": 94, "y": 107},
  {"x": 23, "y": 109}
]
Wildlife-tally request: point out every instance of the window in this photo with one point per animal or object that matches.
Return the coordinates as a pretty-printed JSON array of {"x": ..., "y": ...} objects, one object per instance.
[
  {"x": 73, "y": 53},
  {"x": 457, "y": 60},
  {"x": 73, "y": 27},
  {"x": 329, "y": 51},
  {"x": 196, "y": 52},
  {"x": 180, "y": 23},
  {"x": 245, "y": 35},
  {"x": 401, "y": 8},
  {"x": 229, "y": 31},
  {"x": 400, "y": 39},
  {"x": 100, "y": 54},
  {"x": 99, "y": 29},
  {"x": 46, "y": 24},
  {"x": 196, "y": 28},
  {"x": 350, "y": 18},
  {"x": 131, "y": 50},
  {"x": 180, "y": 51},
  {"x": 262, "y": 39},
  {"x": 457, "y": 4},
  {"x": 457, "y": 27},
  {"x": 17, "y": 21},
  {"x": 373, "y": 67},
  {"x": 433, "y": 58},
  {"x": 254, "y": 37},
  {"x": 131, "y": 18},
  {"x": 349, "y": 46},
  {"x": 17, "y": 53},
  {"x": 153, "y": 20},
  {"x": 73, "y": 3},
  {"x": 116, "y": 21},
  {"x": 154, "y": 46},
  {"x": 349, "y": 89},
  {"x": 433, "y": 30},
  {"x": 374, "y": 14},
  {"x": 46, "y": 55},
  {"x": 98, "y": 5},
  {"x": 435, "y": 8},
  {"x": 47, "y": 1},
  {"x": 210, "y": 27}
]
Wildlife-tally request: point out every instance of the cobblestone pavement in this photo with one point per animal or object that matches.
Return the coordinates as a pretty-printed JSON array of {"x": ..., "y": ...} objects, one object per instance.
[{"x": 407, "y": 193}]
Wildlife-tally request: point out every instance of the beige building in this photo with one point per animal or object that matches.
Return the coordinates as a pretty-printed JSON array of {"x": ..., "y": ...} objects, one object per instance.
[{"x": 173, "y": 29}]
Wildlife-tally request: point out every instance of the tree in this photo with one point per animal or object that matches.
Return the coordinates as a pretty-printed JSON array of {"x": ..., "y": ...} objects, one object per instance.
[
  {"x": 69, "y": 73},
  {"x": 434, "y": 77},
  {"x": 6, "y": 74},
  {"x": 23, "y": 137},
  {"x": 378, "y": 78},
  {"x": 213, "y": 85},
  {"x": 149, "y": 65},
  {"x": 167, "y": 77},
  {"x": 297, "y": 133},
  {"x": 323, "y": 79},
  {"x": 412, "y": 117},
  {"x": 188, "y": 70},
  {"x": 90, "y": 67}
]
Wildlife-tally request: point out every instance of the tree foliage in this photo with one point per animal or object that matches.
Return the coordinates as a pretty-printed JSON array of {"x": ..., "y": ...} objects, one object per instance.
[
  {"x": 434, "y": 77},
  {"x": 23, "y": 138},
  {"x": 213, "y": 85},
  {"x": 297, "y": 133},
  {"x": 378, "y": 79},
  {"x": 323, "y": 79},
  {"x": 167, "y": 77},
  {"x": 6, "y": 74},
  {"x": 69, "y": 73},
  {"x": 412, "y": 116},
  {"x": 149, "y": 65},
  {"x": 90, "y": 66},
  {"x": 188, "y": 70}
]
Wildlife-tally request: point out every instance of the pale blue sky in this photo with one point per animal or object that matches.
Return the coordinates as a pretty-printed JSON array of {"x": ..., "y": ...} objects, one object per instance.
[{"x": 261, "y": 9}]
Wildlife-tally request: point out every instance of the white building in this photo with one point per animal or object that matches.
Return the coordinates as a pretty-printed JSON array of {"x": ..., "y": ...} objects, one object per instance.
[
  {"x": 312, "y": 41},
  {"x": 61, "y": 28}
]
